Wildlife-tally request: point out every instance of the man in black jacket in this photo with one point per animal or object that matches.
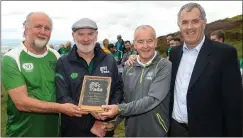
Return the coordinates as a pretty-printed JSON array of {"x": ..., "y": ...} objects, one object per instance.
[
  {"x": 206, "y": 83},
  {"x": 85, "y": 59}
]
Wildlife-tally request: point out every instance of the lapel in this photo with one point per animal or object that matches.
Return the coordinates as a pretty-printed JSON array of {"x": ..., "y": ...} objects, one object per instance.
[
  {"x": 201, "y": 62},
  {"x": 177, "y": 60}
]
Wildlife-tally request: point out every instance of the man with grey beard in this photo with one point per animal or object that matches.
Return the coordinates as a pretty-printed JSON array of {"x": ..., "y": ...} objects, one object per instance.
[
  {"x": 28, "y": 75},
  {"x": 85, "y": 59}
]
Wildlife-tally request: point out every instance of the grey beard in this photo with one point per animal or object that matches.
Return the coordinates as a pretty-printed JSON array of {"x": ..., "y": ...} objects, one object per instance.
[{"x": 40, "y": 43}]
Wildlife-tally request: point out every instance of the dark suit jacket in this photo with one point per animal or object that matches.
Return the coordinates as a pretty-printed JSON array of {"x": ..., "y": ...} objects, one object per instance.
[{"x": 214, "y": 96}]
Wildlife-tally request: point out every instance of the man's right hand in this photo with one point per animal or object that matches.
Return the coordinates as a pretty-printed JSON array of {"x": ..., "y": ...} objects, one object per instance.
[
  {"x": 72, "y": 110},
  {"x": 130, "y": 60},
  {"x": 98, "y": 129}
]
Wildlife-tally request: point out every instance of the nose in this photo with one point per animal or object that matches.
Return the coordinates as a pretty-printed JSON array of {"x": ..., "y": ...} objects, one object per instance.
[
  {"x": 145, "y": 44},
  {"x": 42, "y": 30},
  {"x": 85, "y": 38},
  {"x": 189, "y": 26}
]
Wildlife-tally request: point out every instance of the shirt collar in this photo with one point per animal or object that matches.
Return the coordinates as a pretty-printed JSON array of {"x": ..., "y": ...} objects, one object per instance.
[
  {"x": 32, "y": 54},
  {"x": 149, "y": 62},
  {"x": 197, "y": 48}
]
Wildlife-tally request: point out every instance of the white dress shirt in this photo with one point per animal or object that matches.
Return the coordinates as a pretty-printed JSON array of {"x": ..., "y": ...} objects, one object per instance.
[{"x": 183, "y": 77}]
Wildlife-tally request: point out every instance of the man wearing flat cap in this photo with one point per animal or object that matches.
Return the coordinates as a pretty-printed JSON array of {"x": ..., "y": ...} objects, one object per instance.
[{"x": 85, "y": 59}]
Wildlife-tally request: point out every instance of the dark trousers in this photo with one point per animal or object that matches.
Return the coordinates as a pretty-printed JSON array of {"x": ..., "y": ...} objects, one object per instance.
[
  {"x": 178, "y": 129},
  {"x": 109, "y": 133}
]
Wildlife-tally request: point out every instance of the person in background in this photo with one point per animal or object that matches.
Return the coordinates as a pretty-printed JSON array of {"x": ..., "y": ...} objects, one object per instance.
[
  {"x": 97, "y": 44},
  {"x": 68, "y": 46},
  {"x": 116, "y": 54},
  {"x": 168, "y": 38},
  {"x": 61, "y": 49},
  {"x": 65, "y": 48},
  {"x": 105, "y": 46},
  {"x": 174, "y": 41},
  {"x": 120, "y": 44},
  {"x": 218, "y": 36},
  {"x": 28, "y": 75},
  {"x": 51, "y": 46},
  {"x": 129, "y": 51}
]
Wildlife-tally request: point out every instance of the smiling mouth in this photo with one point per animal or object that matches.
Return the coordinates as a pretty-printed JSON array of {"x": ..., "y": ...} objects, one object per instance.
[
  {"x": 146, "y": 50},
  {"x": 190, "y": 33},
  {"x": 42, "y": 38}
]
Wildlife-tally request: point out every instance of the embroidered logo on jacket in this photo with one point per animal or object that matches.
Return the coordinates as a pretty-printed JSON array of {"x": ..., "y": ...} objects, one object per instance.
[
  {"x": 104, "y": 69},
  {"x": 149, "y": 76},
  {"x": 28, "y": 67},
  {"x": 74, "y": 75}
]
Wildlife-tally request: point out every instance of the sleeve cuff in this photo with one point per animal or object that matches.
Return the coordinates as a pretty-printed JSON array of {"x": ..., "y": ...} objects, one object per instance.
[{"x": 121, "y": 108}]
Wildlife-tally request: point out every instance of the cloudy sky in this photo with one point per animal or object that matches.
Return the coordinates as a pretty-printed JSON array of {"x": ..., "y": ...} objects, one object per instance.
[{"x": 117, "y": 17}]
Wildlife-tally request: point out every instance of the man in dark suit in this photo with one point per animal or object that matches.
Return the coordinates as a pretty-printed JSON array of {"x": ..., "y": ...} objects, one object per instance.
[{"x": 206, "y": 81}]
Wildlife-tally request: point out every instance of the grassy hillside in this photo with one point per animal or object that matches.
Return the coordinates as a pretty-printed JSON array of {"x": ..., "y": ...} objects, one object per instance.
[{"x": 234, "y": 36}]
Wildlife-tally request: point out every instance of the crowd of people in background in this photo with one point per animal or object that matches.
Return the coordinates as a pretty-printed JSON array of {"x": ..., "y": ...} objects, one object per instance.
[{"x": 122, "y": 50}]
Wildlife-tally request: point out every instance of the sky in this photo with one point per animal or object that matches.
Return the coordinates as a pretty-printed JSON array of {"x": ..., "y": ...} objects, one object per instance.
[{"x": 112, "y": 18}]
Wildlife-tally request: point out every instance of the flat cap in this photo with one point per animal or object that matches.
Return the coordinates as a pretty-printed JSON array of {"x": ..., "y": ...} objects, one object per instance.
[{"x": 84, "y": 23}]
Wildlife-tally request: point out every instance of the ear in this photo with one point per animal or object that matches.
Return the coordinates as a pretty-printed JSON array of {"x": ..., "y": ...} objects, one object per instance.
[
  {"x": 73, "y": 34},
  {"x": 96, "y": 37},
  {"x": 25, "y": 30},
  {"x": 204, "y": 24}
]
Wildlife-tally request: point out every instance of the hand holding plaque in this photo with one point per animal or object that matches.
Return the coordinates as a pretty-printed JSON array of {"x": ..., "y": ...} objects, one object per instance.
[{"x": 95, "y": 92}]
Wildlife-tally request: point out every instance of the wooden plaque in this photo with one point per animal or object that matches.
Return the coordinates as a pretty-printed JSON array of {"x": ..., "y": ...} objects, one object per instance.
[{"x": 94, "y": 93}]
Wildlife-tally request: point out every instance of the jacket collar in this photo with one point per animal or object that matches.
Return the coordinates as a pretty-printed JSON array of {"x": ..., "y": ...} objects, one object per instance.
[{"x": 154, "y": 61}]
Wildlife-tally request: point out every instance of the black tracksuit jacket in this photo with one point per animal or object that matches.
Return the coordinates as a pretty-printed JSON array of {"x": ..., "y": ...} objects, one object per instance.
[{"x": 68, "y": 87}]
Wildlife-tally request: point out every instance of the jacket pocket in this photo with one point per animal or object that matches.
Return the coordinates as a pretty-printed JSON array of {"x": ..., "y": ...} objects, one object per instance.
[{"x": 162, "y": 122}]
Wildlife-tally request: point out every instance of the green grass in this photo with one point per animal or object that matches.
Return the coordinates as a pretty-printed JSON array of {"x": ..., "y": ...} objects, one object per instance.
[
  {"x": 119, "y": 132},
  {"x": 238, "y": 46},
  {"x": 3, "y": 113}
]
